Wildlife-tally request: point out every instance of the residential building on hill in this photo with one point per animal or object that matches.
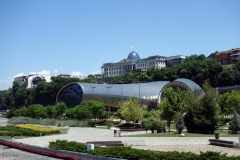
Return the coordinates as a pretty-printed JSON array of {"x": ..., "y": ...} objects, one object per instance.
[{"x": 227, "y": 57}]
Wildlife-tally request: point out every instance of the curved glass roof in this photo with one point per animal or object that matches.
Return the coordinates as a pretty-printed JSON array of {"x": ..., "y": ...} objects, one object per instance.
[
  {"x": 133, "y": 56},
  {"x": 115, "y": 94},
  {"x": 192, "y": 85}
]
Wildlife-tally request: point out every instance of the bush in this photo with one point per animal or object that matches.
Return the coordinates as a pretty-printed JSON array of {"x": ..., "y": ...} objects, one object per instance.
[
  {"x": 48, "y": 122},
  {"x": 28, "y": 120},
  {"x": 133, "y": 154},
  {"x": 159, "y": 126},
  {"x": 25, "y": 132},
  {"x": 109, "y": 124},
  {"x": 9, "y": 133},
  {"x": 234, "y": 122},
  {"x": 70, "y": 146},
  {"x": 24, "y": 120},
  {"x": 73, "y": 123},
  {"x": 116, "y": 122},
  {"x": 43, "y": 130},
  {"x": 180, "y": 124}
]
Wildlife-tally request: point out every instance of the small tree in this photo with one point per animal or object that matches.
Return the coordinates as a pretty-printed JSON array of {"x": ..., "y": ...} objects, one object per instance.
[
  {"x": 131, "y": 110},
  {"x": 152, "y": 121},
  {"x": 180, "y": 124},
  {"x": 234, "y": 124},
  {"x": 175, "y": 101}
]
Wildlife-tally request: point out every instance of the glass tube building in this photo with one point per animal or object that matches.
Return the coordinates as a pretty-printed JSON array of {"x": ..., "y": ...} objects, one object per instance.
[{"x": 114, "y": 95}]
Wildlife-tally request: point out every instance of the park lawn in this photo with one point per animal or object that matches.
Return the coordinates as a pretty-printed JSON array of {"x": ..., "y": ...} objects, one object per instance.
[
  {"x": 175, "y": 134},
  {"x": 15, "y": 137},
  {"x": 63, "y": 130}
]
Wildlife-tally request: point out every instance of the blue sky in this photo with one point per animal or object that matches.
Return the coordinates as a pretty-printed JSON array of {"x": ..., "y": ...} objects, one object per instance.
[{"x": 77, "y": 36}]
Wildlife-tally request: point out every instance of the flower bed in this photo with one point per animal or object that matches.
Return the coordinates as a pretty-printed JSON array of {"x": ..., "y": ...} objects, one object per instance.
[{"x": 45, "y": 130}]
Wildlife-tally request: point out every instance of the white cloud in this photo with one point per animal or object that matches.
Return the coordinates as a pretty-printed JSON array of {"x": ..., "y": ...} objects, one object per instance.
[
  {"x": 77, "y": 74},
  {"x": 19, "y": 74},
  {"x": 6, "y": 83},
  {"x": 45, "y": 73},
  {"x": 32, "y": 73},
  {"x": 96, "y": 72},
  {"x": 56, "y": 70}
]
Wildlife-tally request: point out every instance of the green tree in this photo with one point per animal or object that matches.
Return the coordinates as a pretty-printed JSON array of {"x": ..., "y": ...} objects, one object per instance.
[
  {"x": 230, "y": 102},
  {"x": 152, "y": 121},
  {"x": 202, "y": 115},
  {"x": 226, "y": 78},
  {"x": 21, "y": 112},
  {"x": 60, "y": 109},
  {"x": 131, "y": 110},
  {"x": 51, "y": 111},
  {"x": 234, "y": 124},
  {"x": 180, "y": 124},
  {"x": 173, "y": 102},
  {"x": 37, "y": 111},
  {"x": 20, "y": 97},
  {"x": 2, "y": 102},
  {"x": 97, "y": 109},
  {"x": 82, "y": 112}
]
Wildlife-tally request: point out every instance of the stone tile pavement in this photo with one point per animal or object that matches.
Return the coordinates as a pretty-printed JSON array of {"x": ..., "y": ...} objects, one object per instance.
[{"x": 96, "y": 134}]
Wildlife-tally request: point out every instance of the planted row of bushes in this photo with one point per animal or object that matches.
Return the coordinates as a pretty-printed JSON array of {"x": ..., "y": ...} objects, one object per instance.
[
  {"x": 9, "y": 133},
  {"x": 47, "y": 122},
  {"x": 25, "y": 132},
  {"x": 133, "y": 154},
  {"x": 44, "y": 130}
]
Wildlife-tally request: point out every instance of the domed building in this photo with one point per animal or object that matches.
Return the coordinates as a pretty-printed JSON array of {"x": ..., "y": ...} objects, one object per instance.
[
  {"x": 132, "y": 63},
  {"x": 133, "y": 56}
]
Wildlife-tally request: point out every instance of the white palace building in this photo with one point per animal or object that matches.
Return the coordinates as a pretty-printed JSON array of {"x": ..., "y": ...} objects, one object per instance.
[{"x": 134, "y": 63}]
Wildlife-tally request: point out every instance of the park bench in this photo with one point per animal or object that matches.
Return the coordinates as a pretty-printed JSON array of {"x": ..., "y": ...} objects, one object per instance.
[
  {"x": 127, "y": 129},
  {"x": 106, "y": 143},
  {"x": 222, "y": 142}
]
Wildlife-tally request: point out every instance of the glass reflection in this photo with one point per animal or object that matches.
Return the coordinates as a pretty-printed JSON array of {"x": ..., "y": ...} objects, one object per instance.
[{"x": 72, "y": 96}]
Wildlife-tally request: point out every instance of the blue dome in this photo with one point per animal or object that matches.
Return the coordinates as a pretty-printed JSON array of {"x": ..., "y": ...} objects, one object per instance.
[{"x": 133, "y": 56}]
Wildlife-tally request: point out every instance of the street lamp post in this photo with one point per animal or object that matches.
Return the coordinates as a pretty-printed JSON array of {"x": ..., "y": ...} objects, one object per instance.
[
  {"x": 122, "y": 82},
  {"x": 108, "y": 101},
  {"x": 93, "y": 87},
  {"x": 139, "y": 86}
]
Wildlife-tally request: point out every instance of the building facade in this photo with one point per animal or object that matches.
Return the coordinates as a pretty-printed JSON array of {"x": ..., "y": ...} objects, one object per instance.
[
  {"x": 21, "y": 81},
  {"x": 134, "y": 63},
  {"x": 227, "y": 57},
  {"x": 174, "y": 60}
]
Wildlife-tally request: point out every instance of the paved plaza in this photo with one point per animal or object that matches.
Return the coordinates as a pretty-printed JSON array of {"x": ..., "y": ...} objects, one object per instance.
[{"x": 96, "y": 134}]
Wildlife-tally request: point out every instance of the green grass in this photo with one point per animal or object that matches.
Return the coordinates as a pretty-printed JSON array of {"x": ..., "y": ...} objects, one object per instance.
[
  {"x": 63, "y": 130},
  {"x": 15, "y": 137},
  {"x": 175, "y": 134}
]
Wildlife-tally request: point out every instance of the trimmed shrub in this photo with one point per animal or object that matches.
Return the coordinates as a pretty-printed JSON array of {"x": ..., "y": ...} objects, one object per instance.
[
  {"x": 9, "y": 133},
  {"x": 234, "y": 124},
  {"x": 44, "y": 130},
  {"x": 28, "y": 120},
  {"x": 25, "y": 132},
  {"x": 109, "y": 124},
  {"x": 133, "y": 154},
  {"x": 180, "y": 124}
]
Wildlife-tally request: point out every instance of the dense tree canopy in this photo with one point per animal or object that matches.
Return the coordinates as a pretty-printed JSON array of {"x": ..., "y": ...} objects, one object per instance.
[{"x": 230, "y": 102}]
